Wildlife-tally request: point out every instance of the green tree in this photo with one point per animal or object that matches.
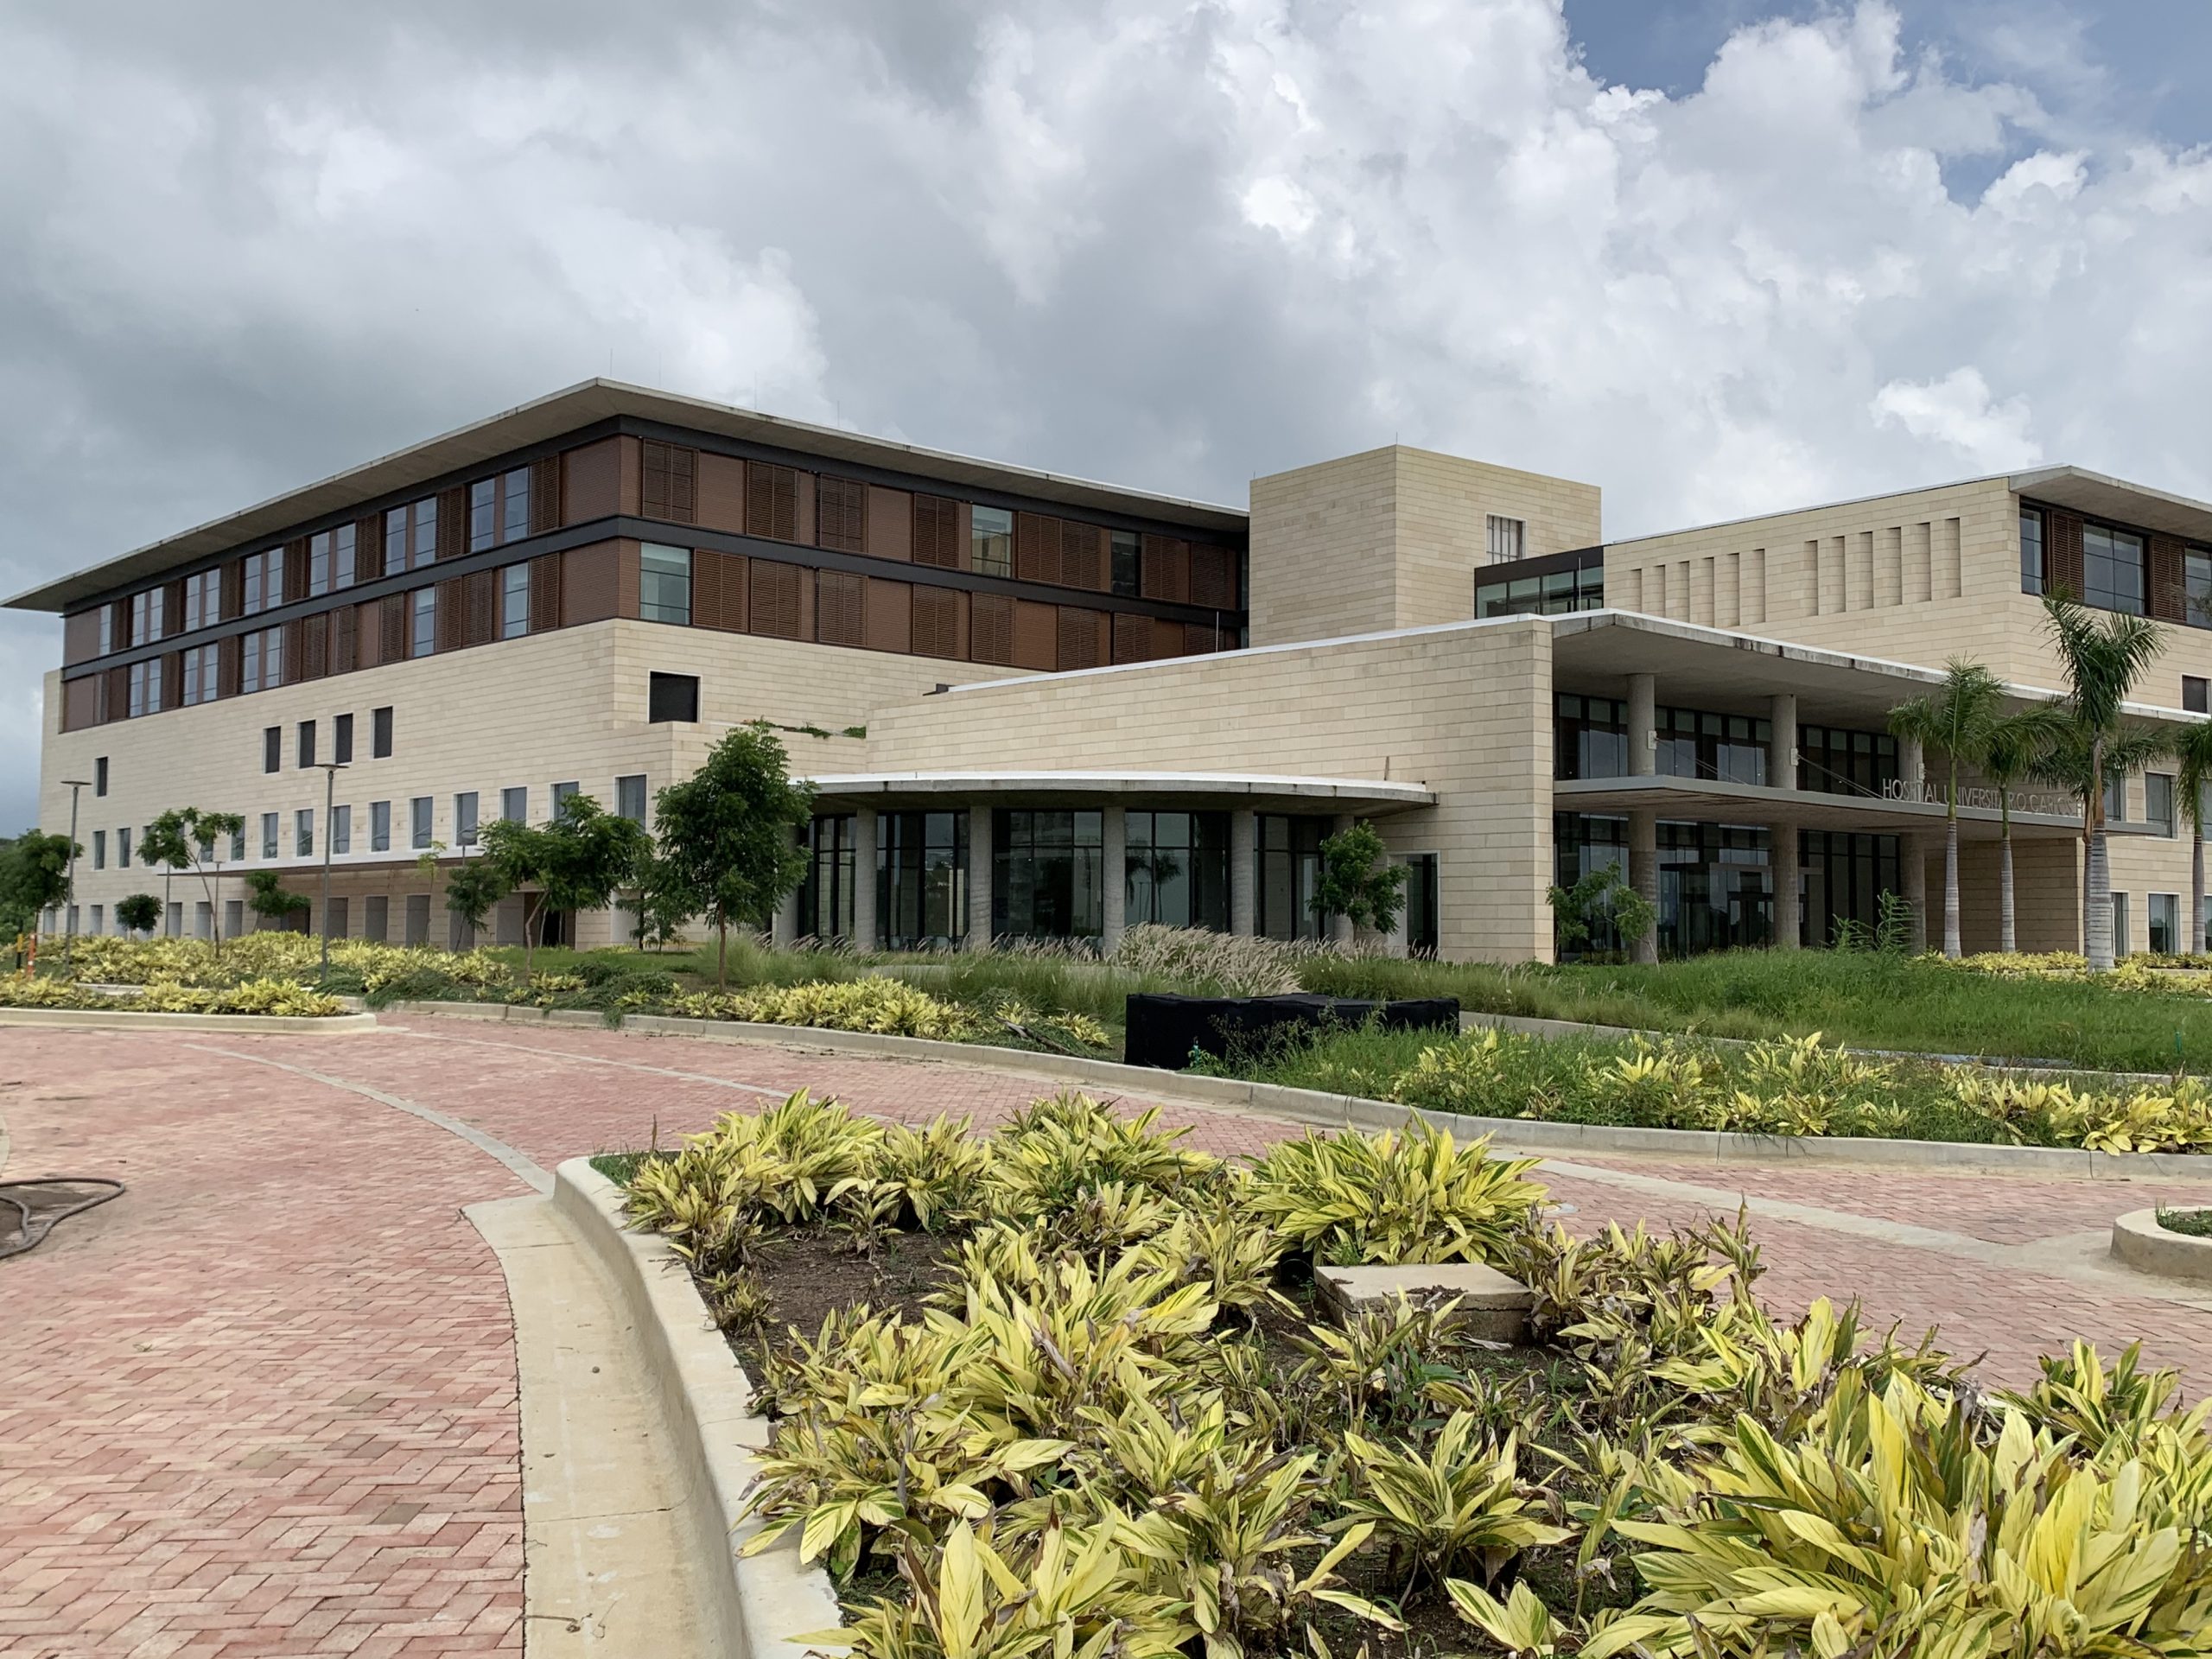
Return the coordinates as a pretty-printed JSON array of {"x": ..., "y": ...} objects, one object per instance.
[
  {"x": 169, "y": 855},
  {"x": 1955, "y": 719},
  {"x": 140, "y": 913},
  {"x": 184, "y": 837},
  {"x": 471, "y": 892},
  {"x": 266, "y": 895},
  {"x": 2102, "y": 655},
  {"x": 663, "y": 903},
  {"x": 2192, "y": 748},
  {"x": 1357, "y": 882},
  {"x": 2013, "y": 749},
  {"x": 727, "y": 835},
  {"x": 1602, "y": 898},
  {"x": 34, "y": 878},
  {"x": 575, "y": 862}
]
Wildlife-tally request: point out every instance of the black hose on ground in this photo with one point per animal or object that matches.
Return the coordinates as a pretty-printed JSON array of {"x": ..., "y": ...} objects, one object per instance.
[{"x": 39, "y": 1219}]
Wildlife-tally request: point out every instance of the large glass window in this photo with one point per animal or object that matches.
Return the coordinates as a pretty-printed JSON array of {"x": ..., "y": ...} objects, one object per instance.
[
  {"x": 260, "y": 660},
  {"x": 1845, "y": 876},
  {"x": 200, "y": 674},
  {"x": 380, "y": 826},
  {"x": 664, "y": 584},
  {"x": 483, "y": 514},
  {"x": 2120, "y": 944},
  {"x": 330, "y": 561},
  {"x": 2111, "y": 569},
  {"x": 2196, "y": 587},
  {"x": 990, "y": 541},
  {"x": 1177, "y": 869},
  {"x": 514, "y": 507},
  {"x": 1128, "y": 563},
  {"x": 419, "y": 811},
  {"x": 203, "y": 599},
  {"x": 1729, "y": 748},
  {"x": 146, "y": 616},
  {"x": 514, "y": 804},
  {"x": 2032, "y": 572},
  {"x": 303, "y": 831},
  {"x": 1047, "y": 871},
  {"x": 145, "y": 685},
  {"x": 1589, "y": 737},
  {"x": 424, "y": 639},
  {"x": 921, "y": 883},
  {"x": 1582, "y": 843},
  {"x": 341, "y": 830},
  {"x": 2116, "y": 796},
  {"x": 630, "y": 798},
  {"x": 1560, "y": 593},
  {"x": 2158, "y": 802},
  {"x": 1289, "y": 875},
  {"x": 264, "y": 583},
  {"x": 825, "y": 899},
  {"x": 2164, "y": 916},
  {"x": 464, "y": 819},
  {"x": 1715, "y": 890},
  {"x": 1833, "y": 761},
  {"x": 514, "y": 602},
  {"x": 269, "y": 834},
  {"x": 411, "y": 536},
  {"x": 1507, "y": 538},
  {"x": 1424, "y": 918}
]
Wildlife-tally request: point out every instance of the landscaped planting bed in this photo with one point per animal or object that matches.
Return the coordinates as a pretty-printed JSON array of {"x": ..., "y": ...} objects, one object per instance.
[
  {"x": 283, "y": 997},
  {"x": 1061, "y": 1390}
]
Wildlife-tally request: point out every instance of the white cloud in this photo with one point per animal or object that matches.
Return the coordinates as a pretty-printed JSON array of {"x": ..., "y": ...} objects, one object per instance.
[{"x": 1175, "y": 241}]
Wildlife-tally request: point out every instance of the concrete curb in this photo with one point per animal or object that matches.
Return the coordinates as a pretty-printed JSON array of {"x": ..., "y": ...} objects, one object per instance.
[
  {"x": 1356, "y": 1111},
  {"x": 756, "y": 1607},
  {"x": 2139, "y": 1240},
  {"x": 126, "y": 1020}
]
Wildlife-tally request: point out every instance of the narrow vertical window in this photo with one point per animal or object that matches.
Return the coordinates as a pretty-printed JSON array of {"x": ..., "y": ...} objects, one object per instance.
[
  {"x": 664, "y": 584},
  {"x": 2031, "y": 551},
  {"x": 483, "y": 506},
  {"x": 425, "y": 639},
  {"x": 514, "y": 505},
  {"x": 342, "y": 738},
  {"x": 514, "y": 602},
  {"x": 464, "y": 819},
  {"x": 341, "y": 831}
]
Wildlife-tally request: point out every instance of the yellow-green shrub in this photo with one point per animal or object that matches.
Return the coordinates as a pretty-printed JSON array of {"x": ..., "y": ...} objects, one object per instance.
[
  {"x": 876, "y": 1003},
  {"x": 1411, "y": 1196}
]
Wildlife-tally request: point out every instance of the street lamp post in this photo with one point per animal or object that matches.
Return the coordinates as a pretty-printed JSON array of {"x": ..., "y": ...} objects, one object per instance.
[
  {"x": 69, "y": 899},
  {"x": 330, "y": 771}
]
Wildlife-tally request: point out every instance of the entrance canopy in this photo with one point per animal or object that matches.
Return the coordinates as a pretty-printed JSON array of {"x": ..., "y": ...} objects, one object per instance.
[{"x": 1185, "y": 791}]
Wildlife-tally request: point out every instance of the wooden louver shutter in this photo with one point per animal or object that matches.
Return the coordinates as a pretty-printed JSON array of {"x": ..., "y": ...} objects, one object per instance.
[
  {"x": 227, "y": 656},
  {"x": 1201, "y": 639},
  {"x": 2168, "y": 600},
  {"x": 990, "y": 628},
  {"x": 770, "y": 502},
  {"x": 838, "y": 617},
  {"x": 718, "y": 591},
  {"x": 295, "y": 570},
  {"x": 1082, "y": 556},
  {"x": 1213, "y": 577},
  {"x": 545, "y": 592},
  {"x": 453, "y": 613},
  {"x": 172, "y": 610},
  {"x": 1132, "y": 637},
  {"x": 295, "y": 650},
  {"x": 119, "y": 695},
  {"x": 936, "y": 533},
  {"x": 937, "y": 622},
  {"x": 2063, "y": 530},
  {"x": 234, "y": 588},
  {"x": 841, "y": 514},
  {"x": 172, "y": 672},
  {"x": 669, "y": 482},
  {"x": 368, "y": 549},
  {"x": 1079, "y": 637},
  {"x": 774, "y": 608},
  {"x": 391, "y": 642},
  {"x": 544, "y": 494},
  {"x": 1036, "y": 547},
  {"x": 483, "y": 606},
  {"x": 313, "y": 657},
  {"x": 1167, "y": 568},
  {"x": 345, "y": 644},
  {"x": 453, "y": 523}
]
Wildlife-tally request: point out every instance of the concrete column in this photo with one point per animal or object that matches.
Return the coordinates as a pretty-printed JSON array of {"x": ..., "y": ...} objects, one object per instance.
[
  {"x": 980, "y": 871},
  {"x": 1912, "y": 768},
  {"x": 1340, "y": 929},
  {"x": 1115, "y": 876},
  {"x": 1644, "y": 872},
  {"x": 864, "y": 930},
  {"x": 1399, "y": 931},
  {"x": 1643, "y": 725},
  {"x": 1782, "y": 751},
  {"x": 783, "y": 926},
  {"x": 1244, "y": 871},
  {"x": 1913, "y": 852},
  {"x": 1789, "y": 902}
]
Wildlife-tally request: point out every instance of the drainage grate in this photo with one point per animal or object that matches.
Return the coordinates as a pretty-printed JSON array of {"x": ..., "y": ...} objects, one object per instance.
[{"x": 31, "y": 1209}]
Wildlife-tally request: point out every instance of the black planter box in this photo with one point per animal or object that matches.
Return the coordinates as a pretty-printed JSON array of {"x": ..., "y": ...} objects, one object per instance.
[{"x": 1164, "y": 1030}]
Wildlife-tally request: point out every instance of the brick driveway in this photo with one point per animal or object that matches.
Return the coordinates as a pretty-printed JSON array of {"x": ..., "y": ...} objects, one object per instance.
[{"x": 265, "y": 1402}]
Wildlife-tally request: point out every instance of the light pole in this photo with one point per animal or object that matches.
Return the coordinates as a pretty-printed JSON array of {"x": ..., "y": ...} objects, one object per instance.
[
  {"x": 69, "y": 899},
  {"x": 330, "y": 771}
]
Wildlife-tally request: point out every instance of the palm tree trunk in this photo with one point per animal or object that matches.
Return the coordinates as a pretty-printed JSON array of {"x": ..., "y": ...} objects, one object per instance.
[
  {"x": 721, "y": 953},
  {"x": 2100, "y": 925},
  {"x": 2196, "y": 891},
  {"x": 1951, "y": 884},
  {"x": 2007, "y": 937}
]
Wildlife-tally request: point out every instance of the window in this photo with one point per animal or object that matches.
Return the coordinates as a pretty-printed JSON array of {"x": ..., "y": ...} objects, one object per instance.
[
  {"x": 1176, "y": 870},
  {"x": 419, "y": 919},
  {"x": 1128, "y": 563},
  {"x": 145, "y": 689},
  {"x": 303, "y": 831},
  {"x": 562, "y": 792},
  {"x": 342, "y": 738},
  {"x": 990, "y": 544},
  {"x": 307, "y": 744},
  {"x": 514, "y": 804},
  {"x": 380, "y": 734},
  {"x": 1730, "y": 748},
  {"x": 2120, "y": 946},
  {"x": 1289, "y": 875},
  {"x": 379, "y": 826},
  {"x": 146, "y": 616},
  {"x": 514, "y": 602},
  {"x": 483, "y": 514},
  {"x": 341, "y": 831},
  {"x": 264, "y": 581},
  {"x": 2196, "y": 587},
  {"x": 261, "y": 661},
  {"x": 515, "y": 507},
  {"x": 1589, "y": 736},
  {"x": 418, "y": 813},
  {"x": 2196, "y": 694},
  {"x": 330, "y": 561},
  {"x": 1506, "y": 538},
  {"x": 272, "y": 748},
  {"x": 1560, "y": 593},
  {"x": 269, "y": 834},
  {"x": 99, "y": 776},
  {"x": 202, "y": 667},
  {"x": 2158, "y": 801},
  {"x": 672, "y": 698},
  {"x": 376, "y": 918},
  {"x": 203, "y": 599},
  {"x": 630, "y": 798},
  {"x": 2032, "y": 569},
  {"x": 99, "y": 917},
  {"x": 2111, "y": 569},
  {"x": 664, "y": 584},
  {"x": 464, "y": 819},
  {"x": 238, "y": 847},
  {"x": 921, "y": 878},
  {"x": 1048, "y": 871},
  {"x": 2165, "y": 921},
  {"x": 2116, "y": 797},
  {"x": 825, "y": 897},
  {"x": 425, "y": 640},
  {"x": 99, "y": 850},
  {"x": 411, "y": 536},
  {"x": 1423, "y": 920},
  {"x": 107, "y": 629},
  {"x": 123, "y": 848}
]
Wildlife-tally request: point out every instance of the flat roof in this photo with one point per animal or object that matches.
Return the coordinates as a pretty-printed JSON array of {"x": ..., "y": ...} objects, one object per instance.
[{"x": 567, "y": 410}]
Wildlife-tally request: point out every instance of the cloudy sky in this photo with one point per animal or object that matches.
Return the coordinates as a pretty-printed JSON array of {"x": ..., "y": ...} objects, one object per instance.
[{"x": 1717, "y": 256}]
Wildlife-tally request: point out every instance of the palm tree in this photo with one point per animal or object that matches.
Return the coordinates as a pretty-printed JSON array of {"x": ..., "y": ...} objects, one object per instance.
[
  {"x": 2067, "y": 763},
  {"x": 2193, "y": 749},
  {"x": 2102, "y": 656},
  {"x": 2012, "y": 748},
  {"x": 1956, "y": 718}
]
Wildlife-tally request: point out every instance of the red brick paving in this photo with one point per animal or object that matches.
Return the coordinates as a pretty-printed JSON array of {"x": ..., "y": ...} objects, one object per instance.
[{"x": 264, "y": 1403}]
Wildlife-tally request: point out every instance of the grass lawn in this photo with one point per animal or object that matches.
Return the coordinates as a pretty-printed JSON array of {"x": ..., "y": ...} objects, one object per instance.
[{"x": 2197, "y": 1224}]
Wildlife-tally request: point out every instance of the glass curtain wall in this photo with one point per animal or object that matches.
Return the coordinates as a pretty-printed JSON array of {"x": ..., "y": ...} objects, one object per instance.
[
  {"x": 1716, "y": 883},
  {"x": 1289, "y": 875},
  {"x": 825, "y": 897},
  {"x": 1177, "y": 869},
  {"x": 921, "y": 882},
  {"x": 1845, "y": 875},
  {"x": 1047, "y": 871}
]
